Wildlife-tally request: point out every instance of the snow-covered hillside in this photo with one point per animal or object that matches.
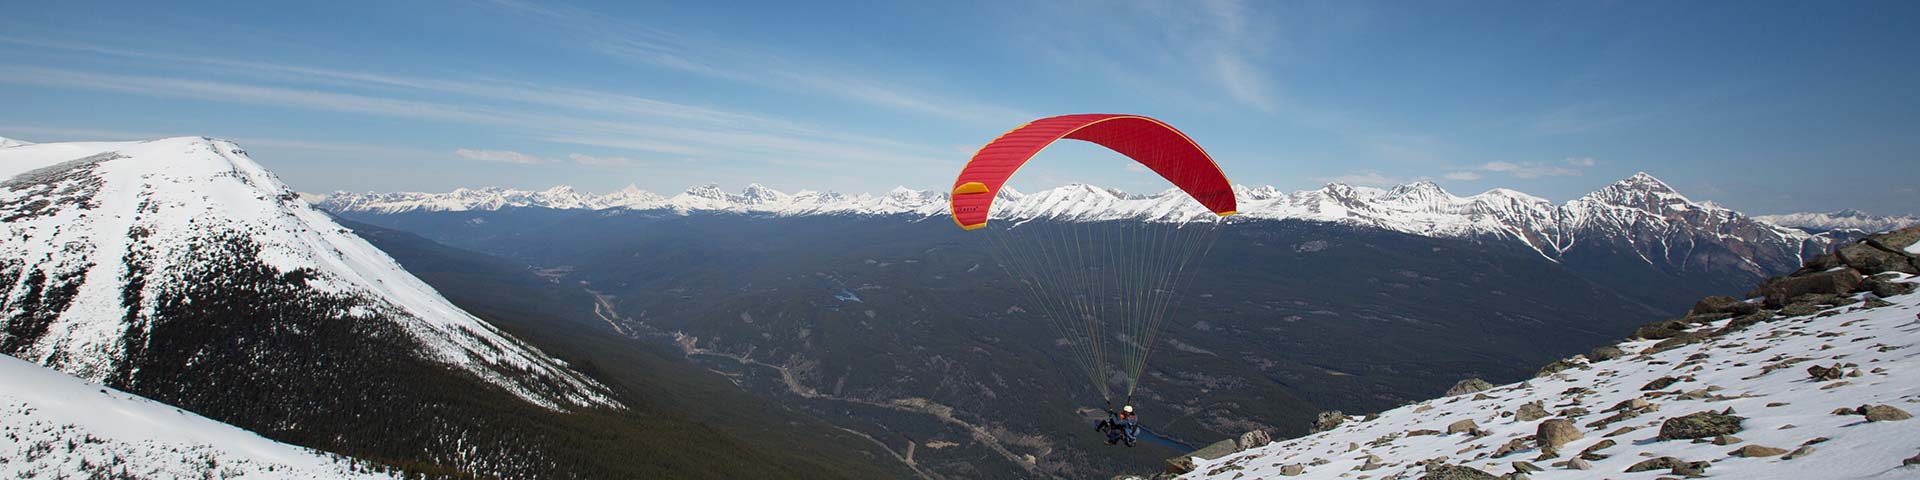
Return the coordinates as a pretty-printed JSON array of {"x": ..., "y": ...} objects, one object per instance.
[
  {"x": 96, "y": 234},
  {"x": 1819, "y": 388},
  {"x": 53, "y": 425},
  {"x": 1844, "y": 219}
]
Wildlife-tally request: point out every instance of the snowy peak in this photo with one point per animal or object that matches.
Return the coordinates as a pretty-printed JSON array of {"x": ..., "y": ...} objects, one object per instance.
[
  {"x": 1642, "y": 192},
  {"x": 8, "y": 142},
  {"x": 123, "y": 227}
]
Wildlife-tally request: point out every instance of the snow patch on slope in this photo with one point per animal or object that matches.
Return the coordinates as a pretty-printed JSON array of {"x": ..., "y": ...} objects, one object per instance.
[
  {"x": 58, "y": 426},
  {"x": 1759, "y": 372}
]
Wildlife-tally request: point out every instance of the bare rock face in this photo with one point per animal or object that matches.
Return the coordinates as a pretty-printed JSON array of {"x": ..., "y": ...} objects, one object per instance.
[
  {"x": 1471, "y": 385},
  {"x": 1556, "y": 432},
  {"x": 1699, "y": 425},
  {"x": 1604, "y": 353}
]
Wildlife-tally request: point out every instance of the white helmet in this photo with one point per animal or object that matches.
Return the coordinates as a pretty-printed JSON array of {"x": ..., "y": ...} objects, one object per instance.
[{"x": 1128, "y": 409}]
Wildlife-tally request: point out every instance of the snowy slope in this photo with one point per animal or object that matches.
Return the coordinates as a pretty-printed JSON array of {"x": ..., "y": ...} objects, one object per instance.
[
  {"x": 1844, "y": 219},
  {"x": 96, "y": 231},
  {"x": 55, "y": 426},
  {"x": 1761, "y": 373}
]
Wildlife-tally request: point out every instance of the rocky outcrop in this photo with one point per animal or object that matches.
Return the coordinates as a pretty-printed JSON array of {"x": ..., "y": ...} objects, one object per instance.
[
  {"x": 1471, "y": 385},
  {"x": 1700, "y": 425}
]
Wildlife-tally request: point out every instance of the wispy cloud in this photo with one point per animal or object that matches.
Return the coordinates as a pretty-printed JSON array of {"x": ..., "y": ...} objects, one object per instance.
[
  {"x": 590, "y": 160},
  {"x": 502, "y": 156},
  {"x": 1570, "y": 167},
  {"x": 758, "y": 65}
]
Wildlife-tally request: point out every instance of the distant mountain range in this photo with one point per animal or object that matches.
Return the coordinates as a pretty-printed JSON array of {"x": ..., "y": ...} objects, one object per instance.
[
  {"x": 1639, "y": 217},
  {"x": 1842, "y": 220}
]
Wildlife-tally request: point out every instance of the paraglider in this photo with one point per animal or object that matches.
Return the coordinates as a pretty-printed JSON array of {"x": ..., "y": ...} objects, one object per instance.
[{"x": 1104, "y": 285}]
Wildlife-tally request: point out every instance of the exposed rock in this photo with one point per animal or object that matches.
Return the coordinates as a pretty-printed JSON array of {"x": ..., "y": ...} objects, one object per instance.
[
  {"x": 1655, "y": 464},
  {"x": 1659, "y": 383},
  {"x": 1913, "y": 460},
  {"x": 1779, "y": 291},
  {"x": 1575, "y": 412},
  {"x": 1373, "y": 462},
  {"x": 1875, "y": 302},
  {"x": 1661, "y": 329},
  {"x": 1327, "y": 421},
  {"x": 1530, "y": 411},
  {"x": 1604, "y": 353},
  {"x": 1883, "y": 288},
  {"x": 1755, "y": 451},
  {"x": 1699, "y": 425},
  {"x": 1821, "y": 373},
  {"x": 1471, "y": 385},
  {"x": 1724, "y": 440},
  {"x": 1799, "y": 310},
  {"x": 1742, "y": 322},
  {"x": 1254, "y": 439},
  {"x": 1884, "y": 413},
  {"x": 1579, "y": 464},
  {"x": 1511, "y": 446},
  {"x": 1677, "y": 341},
  {"x": 1871, "y": 260},
  {"x": 1557, "y": 366},
  {"x": 1722, "y": 304},
  {"x": 1463, "y": 426},
  {"x": 1692, "y": 469},
  {"x": 1798, "y": 452},
  {"x": 1293, "y": 470},
  {"x": 1456, "y": 472},
  {"x": 1524, "y": 467},
  {"x": 1556, "y": 432}
]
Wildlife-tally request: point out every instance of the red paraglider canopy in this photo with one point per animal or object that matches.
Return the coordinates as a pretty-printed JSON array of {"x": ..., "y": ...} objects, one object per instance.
[{"x": 1154, "y": 144}]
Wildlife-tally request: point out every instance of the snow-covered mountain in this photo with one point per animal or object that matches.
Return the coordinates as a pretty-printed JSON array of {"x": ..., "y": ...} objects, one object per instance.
[
  {"x": 58, "y": 426},
  {"x": 105, "y": 241},
  {"x": 1842, "y": 220},
  {"x": 1820, "y": 388}
]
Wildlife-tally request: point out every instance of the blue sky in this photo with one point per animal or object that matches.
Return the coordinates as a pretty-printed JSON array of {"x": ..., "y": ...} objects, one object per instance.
[{"x": 1761, "y": 106}]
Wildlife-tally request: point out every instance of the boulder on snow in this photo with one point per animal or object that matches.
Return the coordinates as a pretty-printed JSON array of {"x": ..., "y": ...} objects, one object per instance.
[
  {"x": 1530, "y": 411},
  {"x": 1604, "y": 353},
  {"x": 1456, "y": 472},
  {"x": 1327, "y": 420},
  {"x": 1820, "y": 373},
  {"x": 1779, "y": 291},
  {"x": 1699, "y": 425},
  {"x": 1756, "y": 451},
  {"x": 1254, "y": 439},
  {"x": 1556, "y": 432},
  {"x": 1661, "y": 329},
  {"x": 1659, "y": 383},
  {"x": 1884, "y": 413},
  {"x": 1471, "y": 385},
  {"x": 1463, "y": 426}
]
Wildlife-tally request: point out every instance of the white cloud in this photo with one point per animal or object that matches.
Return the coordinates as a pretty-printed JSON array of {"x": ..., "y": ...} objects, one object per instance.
[
  {"x": 503, "y": 156},
  {"x": 1569, "y": 167},
  {"x": 590, "y": 160}
]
